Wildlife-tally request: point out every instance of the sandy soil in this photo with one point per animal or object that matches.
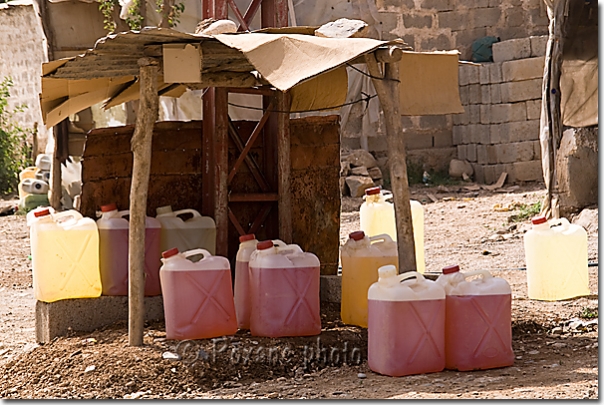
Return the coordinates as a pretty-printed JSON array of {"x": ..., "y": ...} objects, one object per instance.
[{"x": 555, "y": 343}]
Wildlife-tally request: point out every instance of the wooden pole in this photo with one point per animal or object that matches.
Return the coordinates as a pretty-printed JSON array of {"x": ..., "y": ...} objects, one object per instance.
[
  {"x": 388, "y": 93},
  {"x": 284, "y": 167},
  {"x": 141, "y": 150}
]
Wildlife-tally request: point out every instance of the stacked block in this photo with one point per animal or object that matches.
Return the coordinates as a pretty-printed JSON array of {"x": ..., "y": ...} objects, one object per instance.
[{"x": 499, "y": 131}]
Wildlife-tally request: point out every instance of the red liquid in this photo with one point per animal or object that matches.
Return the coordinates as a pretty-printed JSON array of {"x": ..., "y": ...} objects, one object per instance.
[
  {"x": 242, "y": 294},
  {"x": 198, "y": 304},
  {"x": 406, "y": 337},
  {"x": 285, "y": 302},
  {"x": 478, "y": 332},
  {"x": 113, "y": 261}
]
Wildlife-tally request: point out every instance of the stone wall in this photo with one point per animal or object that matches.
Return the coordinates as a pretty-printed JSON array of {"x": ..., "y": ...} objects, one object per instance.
[
  {"x": 499, "y": 131},
  {"x": 22, "y": 53}
]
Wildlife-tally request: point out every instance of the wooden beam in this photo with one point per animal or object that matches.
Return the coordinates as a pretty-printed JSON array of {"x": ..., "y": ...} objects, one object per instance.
[
  {"x": 141, "y": 166},
  {"x": 226, "y": 79},
  {"x": 388, "y": 92},
  {"x": 249, "y": 197},
  {"x": 389, "y": 54},
  {"x": 221, "y": 171},
  {"x": 284, "y": 166}
]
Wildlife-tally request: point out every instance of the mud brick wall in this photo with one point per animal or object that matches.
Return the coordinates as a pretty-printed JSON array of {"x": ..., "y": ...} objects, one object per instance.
[
  {"x": 22, "y": 53},
  {"x": 499, "y": 131},
  {"x": 176, "y": 178}
]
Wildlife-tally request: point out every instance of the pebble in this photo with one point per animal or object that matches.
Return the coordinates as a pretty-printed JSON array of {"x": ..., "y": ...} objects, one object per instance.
[
  {"x": 170, "y": 356},
  {"x": 533, "y": 352},
  {"x": 281, "y": 379},
  {"x": 559, "y": 345},
  {"x": 362, "y": 375},
  {"x": 337, "y": 393},
  {"x": 557, "y": 331},
  {"x": 90, "y": 368}
]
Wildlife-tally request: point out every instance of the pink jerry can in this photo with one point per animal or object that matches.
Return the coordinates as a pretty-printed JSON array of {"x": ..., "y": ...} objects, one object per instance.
[
  {"x": 284, "y": 286},
  {"x": 247, "y": 245},
  {"x": 113, "y": 252},
  {"x": 478, "y": 329},
  {"x": 198, "y": 296},
  {"x": 406, "y": 324}
]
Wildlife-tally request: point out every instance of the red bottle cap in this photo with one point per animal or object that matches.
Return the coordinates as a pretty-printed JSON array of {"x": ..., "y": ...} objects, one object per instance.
[
  {"x": 42, "y": 213},
  {"x": 264, "y": 245},
  {"x": 357, "y": 235},
  {"x": 245, "y": 238},
  {"x": 450, "y": 269},
  {"x": 169, "y": 253},
  {"x": 539, "y": 220},
  {"x": 373, "y": 190},
  {"x": 108, "y": 207}
]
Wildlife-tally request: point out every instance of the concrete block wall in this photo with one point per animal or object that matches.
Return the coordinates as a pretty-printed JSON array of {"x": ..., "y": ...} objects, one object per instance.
[
  {"x": 499, "y": 131},
  {"x": 22, "y": 53}
]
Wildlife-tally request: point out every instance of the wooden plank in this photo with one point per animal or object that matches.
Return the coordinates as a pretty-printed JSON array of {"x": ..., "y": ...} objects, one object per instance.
[
  {"x": 221, "y": 149},
  {"x": 253, "y": 197},
  {"x": 141, "y": 149},
  {"x": 249, "y": 160},
  {"x": 284, "y": 167},
  {"x": 388, "y": 93}
]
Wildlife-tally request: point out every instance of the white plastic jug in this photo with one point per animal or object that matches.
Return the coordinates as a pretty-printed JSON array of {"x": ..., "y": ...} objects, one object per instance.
[
  {"x": 284, "y": 290},
  {"x": 44, "y": 162},
  {"x": 198, "y": 296},
  {"x": 362, "y": 256},
  {"x": 114, "y": 243},
  {"x": 377, "y": 217},
  {"x": 478, "y": 325},
  {"x": 34, "y": 186},
  {"x": 556, "y": 260},
  {"x": 198, "y": 232},
  {"x": 247, "y": 245},
  {"x": 406, "y": 324},
  {"x": 65, "y": 256}
]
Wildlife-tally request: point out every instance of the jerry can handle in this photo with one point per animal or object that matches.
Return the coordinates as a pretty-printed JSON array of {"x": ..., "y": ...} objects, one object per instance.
[
  {"x": 381, "y": 237},
  {"x": 386, "y": 194},
  {"x": 194, "y": 252},
  {"x": 187, "y": 211},
  {"x": 484, "y": 273},
  {"x": 559, "y": 222},
  {"x": 292, "y": 247},
  {"x": 279, "y": 243},
  {"x": 66, "y": 216},
  {"x": 123, "y": 213},
  {"x": 408, "y": 274}
]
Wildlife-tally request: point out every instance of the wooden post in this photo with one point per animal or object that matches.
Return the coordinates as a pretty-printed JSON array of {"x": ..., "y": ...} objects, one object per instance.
[
  {"x": 141, "y": 150},
  {"x": 284, "y": 167},
  {"x": 388, "y": 93},
  {"x": 221, "y": 171}
]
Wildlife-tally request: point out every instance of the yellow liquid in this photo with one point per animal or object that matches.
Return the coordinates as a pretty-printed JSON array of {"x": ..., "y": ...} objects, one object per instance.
[
  {"x": 66, "y": 264},
  {"x": 358, "y": 273}
]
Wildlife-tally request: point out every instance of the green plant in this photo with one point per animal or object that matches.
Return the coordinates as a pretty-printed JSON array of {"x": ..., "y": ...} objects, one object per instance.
[
  {"x": 526, "y": 212},
  {"x": 15, "y": 153},
  {"x": 588, "y": 313},
  {"x": 135, "y": 18}
]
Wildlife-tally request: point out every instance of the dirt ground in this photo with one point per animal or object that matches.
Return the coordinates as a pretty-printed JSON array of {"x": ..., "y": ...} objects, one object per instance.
[{"x": 555, "y": 343}]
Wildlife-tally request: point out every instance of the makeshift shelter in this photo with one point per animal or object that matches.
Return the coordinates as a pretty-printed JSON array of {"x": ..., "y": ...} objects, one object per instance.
[
  {"x": 570, "y": 82},
  {"x": 299, "y": 70}
]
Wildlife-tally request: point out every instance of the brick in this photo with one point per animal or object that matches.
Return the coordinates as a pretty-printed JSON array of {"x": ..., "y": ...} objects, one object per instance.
[
  {"x": 492, "y": 173},
  {"x": 537, "y": 149},
  {"x": 523, "y": 69},
  {"x": 514, "y": 152},
  {"x": 481, "y": 154},
  {"x": 471, "y": 152},
  {"x": 484, "y": 73},
  {"x": 377, "y": 143},
  {"x": 495, "y": 75},
  {"x": 495, "y": 93},
  {"x": 533, "y": 109},
  {"x": 485, "y": 135},
  {"x": 485, "y": 93},
  {"x": 443, "y": 139},
  {"x": 538, "y": 45},
  {"x": 528, "y": 171},
  {"x": 458, "y": 134},
  {"x": 381, "y": 4},
  {"x": 438, "y": 5},
  {"x": 537, "y": 16},
  {"x": 523, "y": 131},
  {"x": 409, "y": 40},
  {"x": 475, "y": 95},
  {"x": 467, "y": 134},
  {"x": 432, "y": 121},
  {"x": 521, "y": 91},
  {"x": 485, "y": 17},
  {"x": 466, "y": 37},
  {"x": 476, "y": 131},
  {"x": 514, "y": 17},
  {"x": 476, "y": 3},
  {"x": 468, "y": 74},
  {"x": 417, "y": 140},
  {"x": 461, "y": 152},
  {"x": 485, "y": 113},
  {"x": 474, "y": 113},
  {"x": 455, "y": 20},
  {"x": 463, "y": 118},
  {"x": 417, "y": 21},
  {"x": 499, "y": 133},
  {"x": 502, "y": 113},
  {"x": 511, "y": 49},
  {"x": 491, "y": 154}
]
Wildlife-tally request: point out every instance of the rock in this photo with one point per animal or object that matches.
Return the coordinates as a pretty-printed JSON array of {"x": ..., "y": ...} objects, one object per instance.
[
  {"x": 358, "y": 184},
  {"x": 375, "y": 173},
  {"x": 458, "y": 167},
  {"x": 342, "y": 28},
  {"x": 559, "y": 345},
  {"x": 557, "y": 331},
  {"x": 90, "y": 368},
  {"x": 344, "y": 168},
  {"x": 533, "y": 352},
  {"x": 343, "y": 187},
  {"x": 170, "y": 356},
  {"x": 281, "y": 379},
  {"x": 588, "y": 219},
  {"x": 362, "y": 375},
  {"x": 359, "y": 171},
  {"x": 361, "y": 157}
]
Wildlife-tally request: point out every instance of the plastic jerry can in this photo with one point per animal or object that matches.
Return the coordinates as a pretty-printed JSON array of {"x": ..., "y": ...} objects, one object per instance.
[
  {"x": 32, "y": 201},
  {"x": 28, "y": 173},
  {"x": 478, "y": 326},
  {"x": 377, "y": 217},
  {"x": 247, "y": 245},
  {"x": 198, "y": 232},
  {"x": 43, "y": 175},
  {"x": 556, "y": 260},
  {"x": 34, "y": 186},
  {"x": 284, "y": 288},
  {"x": 65, "y": 256},
  {"x": 113, "y": 252},
  {"x": 198, "y": 296},
  {"x": 44, "y": 162},
  {"x": 362, "y": 256},
  {"x": 406, "y": 332}
]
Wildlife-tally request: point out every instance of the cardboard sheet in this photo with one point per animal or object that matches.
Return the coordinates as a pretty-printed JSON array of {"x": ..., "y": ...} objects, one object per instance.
[
  {"x": 429, "y": 83},
  {"x": 579, "y": 88},
  {"x": 323, "y": 92}
]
